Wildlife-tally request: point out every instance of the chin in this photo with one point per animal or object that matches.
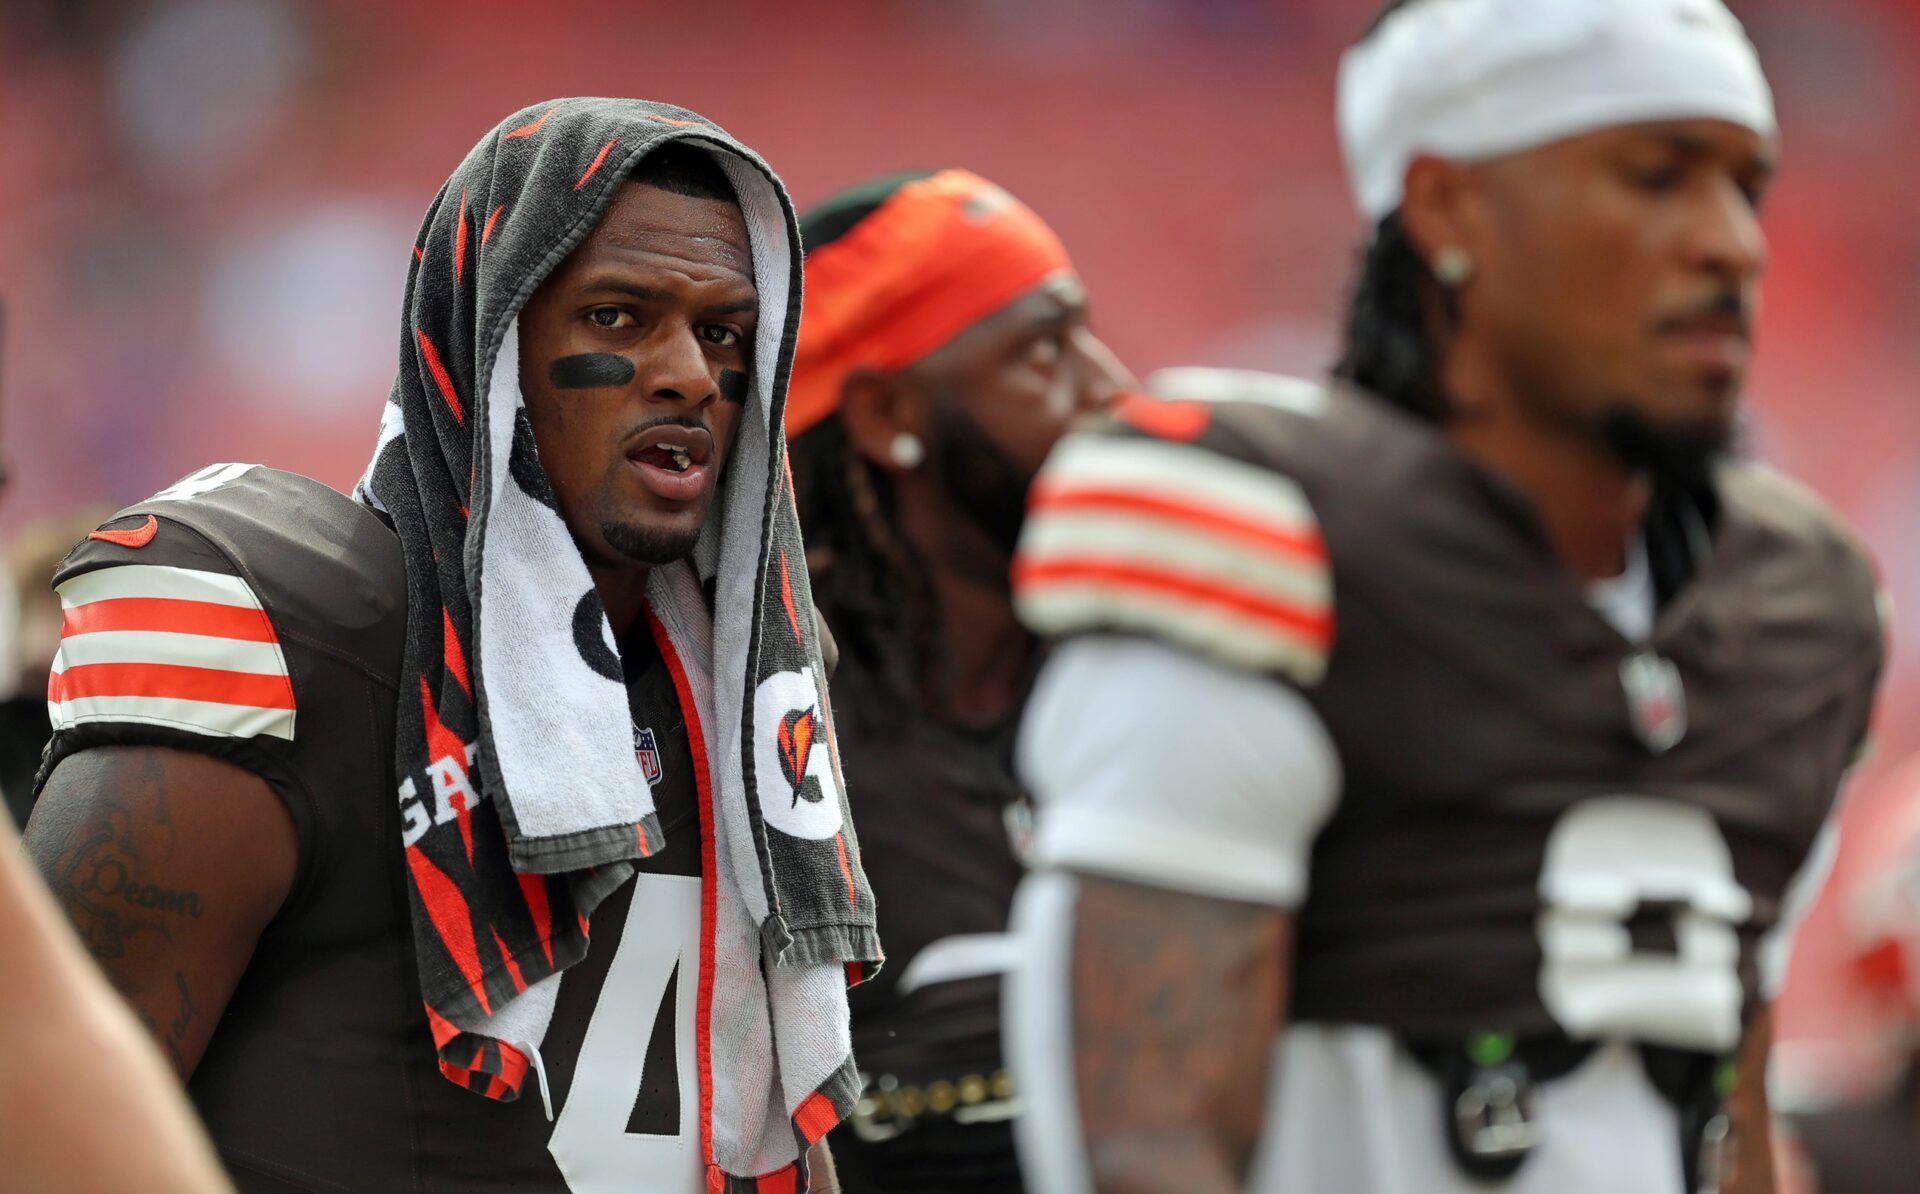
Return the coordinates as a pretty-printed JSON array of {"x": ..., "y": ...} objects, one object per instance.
[{"x": 651, "y": 541}]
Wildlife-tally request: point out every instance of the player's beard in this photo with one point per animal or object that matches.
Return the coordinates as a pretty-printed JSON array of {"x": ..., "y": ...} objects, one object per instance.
[
  {"x": 1681, "y": 451},
  {"x": 638, "y": 543},
  {"x": 985, "y": 482},
  {"x": 1677, "y": 450}
]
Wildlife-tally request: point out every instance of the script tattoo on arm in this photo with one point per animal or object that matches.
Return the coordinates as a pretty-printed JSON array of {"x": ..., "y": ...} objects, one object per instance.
[
  {"x": 169, "y": 864},
  {"x": 1177, "y": 1000}
]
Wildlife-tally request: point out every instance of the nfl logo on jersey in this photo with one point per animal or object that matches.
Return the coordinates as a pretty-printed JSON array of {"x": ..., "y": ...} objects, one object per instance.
[
  {"x": 1657, "y": 700},
  {"x": 645, "y": 749}
]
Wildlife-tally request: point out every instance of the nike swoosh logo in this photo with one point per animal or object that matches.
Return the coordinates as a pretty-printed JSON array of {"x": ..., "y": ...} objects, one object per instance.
[{"x": 136, "y": 537}]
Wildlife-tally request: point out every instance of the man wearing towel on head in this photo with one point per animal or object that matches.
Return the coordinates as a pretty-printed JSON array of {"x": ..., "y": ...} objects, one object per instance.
[
  {"x": 1461, "y": 727},
  {"x": 487, "y": 833}
]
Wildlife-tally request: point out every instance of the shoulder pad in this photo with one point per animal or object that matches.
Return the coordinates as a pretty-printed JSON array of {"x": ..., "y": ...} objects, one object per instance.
[
  {"x": 1153, "y": 524},
  {"x": 1804, "y": 533},
  {"x": 177, "y": 611},
  {"x": 1240, "y": 385}
]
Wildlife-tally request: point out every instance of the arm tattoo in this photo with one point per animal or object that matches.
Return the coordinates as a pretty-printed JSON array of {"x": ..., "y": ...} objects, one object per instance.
[
  {"x": 100, "y": 858},
  {"x": 101, "y": 875},
  {"x": 1177, "y": 1000},
  {"x": 172, "y": 1041}
]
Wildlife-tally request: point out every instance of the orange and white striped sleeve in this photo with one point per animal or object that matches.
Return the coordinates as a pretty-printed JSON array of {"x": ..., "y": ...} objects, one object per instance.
[
  {"x": 1180, "y": 543},
  {"x": 159, "y": 645}
]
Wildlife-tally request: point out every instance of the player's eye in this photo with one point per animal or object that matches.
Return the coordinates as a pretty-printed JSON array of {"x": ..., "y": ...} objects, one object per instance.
[
  {"x": 1657, "y": 179},
  {"x": 609, "y": 317},
  {"x": 720, "y": 334},
  {"x": 1048, "y": 347}
]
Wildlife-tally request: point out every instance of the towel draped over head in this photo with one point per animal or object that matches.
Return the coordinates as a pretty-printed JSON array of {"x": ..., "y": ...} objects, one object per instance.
[
  {"x": 513, "y": 711},
  {"x": 939, "y": 254}
]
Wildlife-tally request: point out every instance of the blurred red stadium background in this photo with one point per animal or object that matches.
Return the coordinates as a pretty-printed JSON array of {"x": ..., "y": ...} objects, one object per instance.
[{"x": 208, "y": 205}]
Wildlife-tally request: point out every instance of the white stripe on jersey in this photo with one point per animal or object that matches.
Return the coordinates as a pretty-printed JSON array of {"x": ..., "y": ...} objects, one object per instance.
[
  {"x": 1181, "y": 547},
  {"x": 162, "y": 647},
  {"x": 142, "y": 645},
  {"x": 1062, "y": 608},
  {"x": 156, "y": 581},
  {"x": 199, "y": 717},
  {"x": 1181, "y": 543},
  {"x": 1182, "y": 473}
]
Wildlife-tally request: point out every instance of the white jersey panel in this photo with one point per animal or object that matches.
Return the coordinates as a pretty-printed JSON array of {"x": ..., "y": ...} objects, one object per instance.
[
  {"x": 1349, "y": 1110},
  {"x": 1152, "y": 764}
]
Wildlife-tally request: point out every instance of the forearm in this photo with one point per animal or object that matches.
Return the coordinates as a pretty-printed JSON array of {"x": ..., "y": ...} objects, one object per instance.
[{"x": 1175, "y": 1000}]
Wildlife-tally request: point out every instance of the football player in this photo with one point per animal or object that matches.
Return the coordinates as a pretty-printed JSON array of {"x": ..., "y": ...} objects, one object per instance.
[
  {"x": 1458, "y": 727},
  {"x": 365, "y": 993},
  {"x": 86, "y": 1103},
  {"x": 944, "y": 346}
]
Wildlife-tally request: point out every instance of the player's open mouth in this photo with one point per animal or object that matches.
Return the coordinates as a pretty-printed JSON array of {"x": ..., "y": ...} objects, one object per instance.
[{"x": 672, "y": 460}]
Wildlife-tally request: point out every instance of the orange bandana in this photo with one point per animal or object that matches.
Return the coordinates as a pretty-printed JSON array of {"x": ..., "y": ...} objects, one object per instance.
[{"x": 938, "y": 256}]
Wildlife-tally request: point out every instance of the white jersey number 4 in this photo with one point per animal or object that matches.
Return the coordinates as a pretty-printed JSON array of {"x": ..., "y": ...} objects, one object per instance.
[
  {"x": 1618, "y": 863},
  {"x": 590, "y": 1142},
  {"x": 202, "y": 481}
]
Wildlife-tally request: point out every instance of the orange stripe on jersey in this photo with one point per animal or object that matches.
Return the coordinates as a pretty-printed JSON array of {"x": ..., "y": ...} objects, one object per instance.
[
  {"x": 816, "y": 1117},
  {"x": 168, "y": 614},
  {"x": 1181, "y": 419},
  {"x": 1312, "y": 622},
  {"x": 1305, "y": 545},
  {"x": 172, "y": 682}
]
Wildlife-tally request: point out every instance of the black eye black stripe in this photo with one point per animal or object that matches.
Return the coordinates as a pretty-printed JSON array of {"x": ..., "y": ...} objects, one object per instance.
[
  {"x": 598, "y": 370},
  {"x": 590, "y": 371}
]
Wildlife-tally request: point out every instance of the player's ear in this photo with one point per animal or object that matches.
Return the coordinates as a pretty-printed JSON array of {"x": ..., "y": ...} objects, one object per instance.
[
  {"x": 1437, "y": 209},
  {"x": 878, "y": 411}
]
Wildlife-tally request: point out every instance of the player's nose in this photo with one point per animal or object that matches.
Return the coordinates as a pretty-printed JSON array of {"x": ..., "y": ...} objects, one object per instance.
[
  {"x": 1103, "y": 377},
  {"x": 677, "y": 369}
]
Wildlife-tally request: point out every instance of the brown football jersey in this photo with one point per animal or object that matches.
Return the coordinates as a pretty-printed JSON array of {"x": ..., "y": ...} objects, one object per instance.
[
  {"x": 1544, "y": 826},
  {"x": 257, "y": 616}
]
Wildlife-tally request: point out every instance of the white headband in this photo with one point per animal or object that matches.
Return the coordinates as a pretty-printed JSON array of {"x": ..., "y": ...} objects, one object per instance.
[{"x": 1477, "y": 79}]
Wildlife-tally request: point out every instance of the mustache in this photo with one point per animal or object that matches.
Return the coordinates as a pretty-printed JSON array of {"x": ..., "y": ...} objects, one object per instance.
[
  {"x": 1727, "y": 309},
  {"x": 642, "y": 428}
]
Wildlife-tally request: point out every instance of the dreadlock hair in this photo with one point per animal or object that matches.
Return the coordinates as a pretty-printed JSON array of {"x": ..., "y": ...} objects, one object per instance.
[
  {"x": 870, "y": 584},
  {"x": 1388, "y": 348}
]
